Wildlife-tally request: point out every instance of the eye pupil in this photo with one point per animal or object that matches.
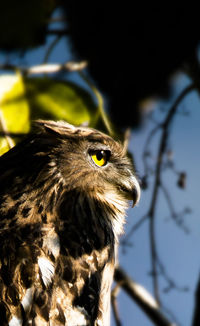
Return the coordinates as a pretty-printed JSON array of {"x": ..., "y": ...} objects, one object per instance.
[{"x": 100, "y": 155}]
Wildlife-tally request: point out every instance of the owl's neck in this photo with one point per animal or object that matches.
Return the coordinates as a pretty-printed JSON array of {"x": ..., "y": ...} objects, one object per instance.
[
  {"x": 99, "y": 216},
  {"x": 84, "y": 223}
]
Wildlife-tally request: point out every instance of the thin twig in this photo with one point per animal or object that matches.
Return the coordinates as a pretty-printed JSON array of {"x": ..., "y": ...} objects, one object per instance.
[
  {"x": 4, "y": 129},
  {"x": 144, "y": 155},
  {"x": 50, "y": 48},
  {"x": 135, "y": 227},
  {"x": 168, "y": 199},
  {"x": 178, "y": 218},
  {"x": 171, "y": 283},
  {"x": 12, "y": 134},
  {"x": 100, "y": 101},
  {"x": 157, "y": 182}
]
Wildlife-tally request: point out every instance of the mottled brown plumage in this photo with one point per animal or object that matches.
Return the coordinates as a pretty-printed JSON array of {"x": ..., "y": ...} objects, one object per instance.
[{"x": 63, "y": 195}]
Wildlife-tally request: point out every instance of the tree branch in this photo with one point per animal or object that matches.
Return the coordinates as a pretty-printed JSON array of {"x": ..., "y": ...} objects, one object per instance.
[
  {"x": 114, "y": 295},
  {"x": 47, "y": 68},
  {"x": 143, "y": 298}
]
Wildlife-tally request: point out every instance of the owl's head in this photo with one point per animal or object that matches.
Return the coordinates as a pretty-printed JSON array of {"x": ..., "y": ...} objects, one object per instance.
[
  {"x": 91, "y": 162},
  {"x": 59, "y": 164}
]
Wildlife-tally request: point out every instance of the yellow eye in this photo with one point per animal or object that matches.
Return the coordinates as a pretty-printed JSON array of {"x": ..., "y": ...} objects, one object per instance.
[{"x": 100, "y": 158}]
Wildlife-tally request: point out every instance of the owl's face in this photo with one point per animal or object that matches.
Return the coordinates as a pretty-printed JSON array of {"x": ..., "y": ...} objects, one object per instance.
[{"x": 94, "y": 163}]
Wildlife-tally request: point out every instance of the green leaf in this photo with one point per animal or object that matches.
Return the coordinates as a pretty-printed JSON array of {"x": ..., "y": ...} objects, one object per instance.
[
  {"x": 14, "y": 108},
  {"x": 59, "y": 100}
]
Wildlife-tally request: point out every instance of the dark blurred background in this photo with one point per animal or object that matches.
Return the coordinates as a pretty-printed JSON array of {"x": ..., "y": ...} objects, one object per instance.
[{"x": 132, "y": 49}]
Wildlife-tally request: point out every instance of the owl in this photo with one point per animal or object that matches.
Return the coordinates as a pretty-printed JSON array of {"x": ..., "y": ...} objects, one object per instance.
[{"x": 64, "y": 191}]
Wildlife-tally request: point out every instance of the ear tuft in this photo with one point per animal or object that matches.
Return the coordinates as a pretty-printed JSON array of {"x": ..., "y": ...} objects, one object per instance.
[{"x": 54, "y": 127}]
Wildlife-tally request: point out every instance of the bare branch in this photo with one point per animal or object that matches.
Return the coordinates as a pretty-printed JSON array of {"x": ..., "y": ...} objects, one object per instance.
[
  {"x": 47, "y": 68},
  {"x": 114, "y": 295},
  {"x": 142, "y": 297},
  {"x": 54, "y": 68}
]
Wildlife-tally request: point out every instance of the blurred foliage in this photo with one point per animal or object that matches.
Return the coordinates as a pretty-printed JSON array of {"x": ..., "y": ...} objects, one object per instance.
[
  {"x": 14, "y": 107},
  {"x": 133, "y": 52},
  {"x": 129, "y": 51},
  {"x": 58, "y": 100},
  {"x": 24, "y": 99}
]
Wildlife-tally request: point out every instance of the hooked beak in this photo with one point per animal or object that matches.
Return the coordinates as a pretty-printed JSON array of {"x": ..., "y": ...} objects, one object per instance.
[
  {"x": 136, "y": 195},
  {"x": 132, "y": 190}
]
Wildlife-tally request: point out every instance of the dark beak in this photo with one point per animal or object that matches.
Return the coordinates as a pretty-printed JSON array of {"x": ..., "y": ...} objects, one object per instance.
[
  {"x": 132, "y": 190},
  {"x": 135, "y": 192},
  {"x": 136, "y": 195}
]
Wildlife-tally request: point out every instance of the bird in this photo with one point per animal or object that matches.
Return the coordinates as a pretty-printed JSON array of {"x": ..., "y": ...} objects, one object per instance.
[{"x": 64, "y": 192}]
